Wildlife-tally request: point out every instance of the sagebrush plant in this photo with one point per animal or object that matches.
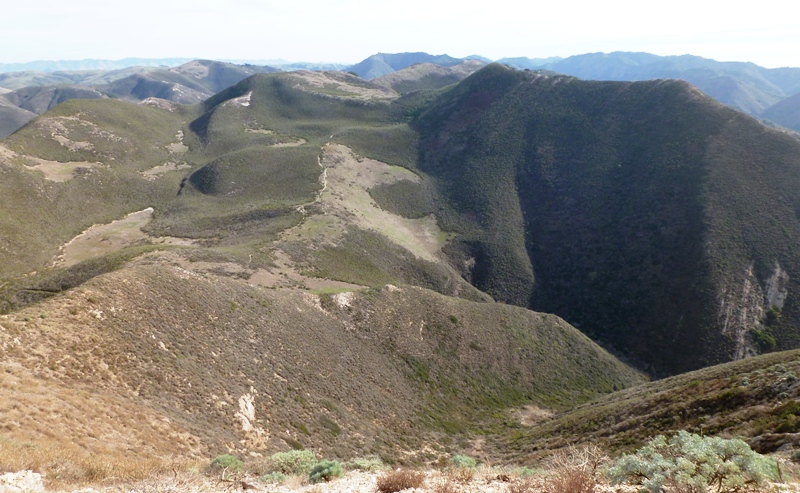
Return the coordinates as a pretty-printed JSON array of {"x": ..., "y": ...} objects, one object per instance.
[
  {"x": 463, "y": 461},
  {"x": 368, "y": 464},
  {"x": 325, "y": 470},
  {"x": 399, "y": 480},
  {"x": 292, "y": 463},
  {"x": 226, "y": 463},
  {"x": 461, "y": 469},
  {"x": 691, "y": 463},
  {"x": 273, "y": 478}
]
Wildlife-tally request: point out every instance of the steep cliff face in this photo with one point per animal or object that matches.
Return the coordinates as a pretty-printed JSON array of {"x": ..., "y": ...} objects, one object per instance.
[
  {"x": 748, "y": 310},
  {"x": 653, "y": 218}
]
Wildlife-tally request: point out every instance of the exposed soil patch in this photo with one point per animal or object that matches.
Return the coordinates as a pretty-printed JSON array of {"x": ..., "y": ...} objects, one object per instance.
[
  {"x": 345, "y": 199},
  {"x": 284, "y": 275},
  {"x": 156, "y": 171},
  {"x": 52, "y": 170},
  {"x": 326, "y": 84},
  {"x": 294, "y": 143},
  {"x": 531, "y": 415},
  {"x": 161, "y": 104},
  {"x": 101, "y": 239},
  {"x": 178, "y": 147}
]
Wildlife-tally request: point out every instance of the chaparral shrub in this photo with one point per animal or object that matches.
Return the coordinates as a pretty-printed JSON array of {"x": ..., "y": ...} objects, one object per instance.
[{"x": 689, "y": 462}]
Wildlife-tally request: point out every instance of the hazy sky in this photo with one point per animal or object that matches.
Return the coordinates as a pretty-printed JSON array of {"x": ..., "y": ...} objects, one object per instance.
[{"x": 765, "y": 32}]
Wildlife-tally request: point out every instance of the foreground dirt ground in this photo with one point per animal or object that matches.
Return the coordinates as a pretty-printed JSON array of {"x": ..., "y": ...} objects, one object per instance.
[{"x": 484, "y": 479}]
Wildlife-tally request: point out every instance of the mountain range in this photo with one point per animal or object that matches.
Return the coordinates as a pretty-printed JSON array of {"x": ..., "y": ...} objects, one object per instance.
[{"x": 412, "y": 267}]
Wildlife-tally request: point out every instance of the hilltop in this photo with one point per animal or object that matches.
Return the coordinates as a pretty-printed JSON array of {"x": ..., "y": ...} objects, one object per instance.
[{"x": 382, "y": 64}]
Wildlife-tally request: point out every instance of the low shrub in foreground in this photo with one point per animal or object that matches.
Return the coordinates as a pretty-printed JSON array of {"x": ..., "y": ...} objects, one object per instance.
[
  {"x": 325, "y": 470},
  {"x": 575, "y": 470},
  {"x": 292, "y": 463},
  {"x": 399, "y": 480},
  {"x": 226, "y": 462},
  {"x": 273, "y": 478},
  {"x": 463, "y": 461},
  {"x": 367, "y": 464},
  {"x": 571, "y": 480},
  {"x": 691, "y": 463}
]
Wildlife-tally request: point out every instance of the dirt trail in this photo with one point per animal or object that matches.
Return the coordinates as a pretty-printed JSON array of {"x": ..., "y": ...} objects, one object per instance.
[{"x": 346, "y": 180}]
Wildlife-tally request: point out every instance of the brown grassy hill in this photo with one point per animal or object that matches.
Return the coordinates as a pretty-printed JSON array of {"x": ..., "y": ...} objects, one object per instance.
[{"x": 159, "y": 361}]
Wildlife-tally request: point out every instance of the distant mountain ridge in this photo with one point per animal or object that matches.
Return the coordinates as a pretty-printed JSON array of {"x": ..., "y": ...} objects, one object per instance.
[
  {"x": 33, "y": 93},
  {"x": 744, "y": 86},
  {"x": 385, "y": 63},
  {"x": 90, "y": 64},
  {"x": 428, "y": 76}
]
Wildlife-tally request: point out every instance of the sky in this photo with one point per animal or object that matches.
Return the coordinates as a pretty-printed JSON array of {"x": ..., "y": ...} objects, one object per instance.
[{"x": 346, "y": 31}]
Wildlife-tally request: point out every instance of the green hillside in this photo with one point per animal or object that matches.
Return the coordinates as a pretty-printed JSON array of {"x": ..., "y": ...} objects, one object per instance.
[
  {"x": 755, "y": 399},
  {"x": 637, "y": 211},
  {"x": 83, "y": 162}
]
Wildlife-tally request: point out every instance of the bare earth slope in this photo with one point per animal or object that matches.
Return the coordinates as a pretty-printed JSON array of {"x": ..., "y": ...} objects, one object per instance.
[{"x": 157, "y": 359}]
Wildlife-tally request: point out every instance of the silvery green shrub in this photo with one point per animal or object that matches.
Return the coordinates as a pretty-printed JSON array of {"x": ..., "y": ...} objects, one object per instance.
[{"x": 689, "y": 462}]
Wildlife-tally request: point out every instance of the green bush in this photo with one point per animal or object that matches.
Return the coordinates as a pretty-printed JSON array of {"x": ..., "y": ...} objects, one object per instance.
[
  {"x": 325, "y": 470},
  {"x": 226, "y": 462},
  {"x": 371, "y": 463},
  {"x": 295, "y": 462},
  {"x": 463, "y": 461},
  {"x": 689, "y": 462},
  {"x": 273, "y": 478}
]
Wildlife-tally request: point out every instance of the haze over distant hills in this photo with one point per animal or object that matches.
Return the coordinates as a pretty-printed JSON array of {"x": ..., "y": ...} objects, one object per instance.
[{"x": 744, "y": 86}]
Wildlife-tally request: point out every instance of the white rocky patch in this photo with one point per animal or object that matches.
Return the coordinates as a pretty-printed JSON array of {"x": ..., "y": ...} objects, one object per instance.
[
  {"x": 21, "y": 482},
  {"x": 242, "y": 100},
  {"x": 343, "y": 300},
  {"x": 247, "y": 412}
]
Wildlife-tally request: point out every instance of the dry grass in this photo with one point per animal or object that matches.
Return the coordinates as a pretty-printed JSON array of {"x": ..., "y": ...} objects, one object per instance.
[
  {"x": 446, "y": 487},
  {"x": 576, "y": 470},
  {"x": 64, "y": 465},
  {"x": 571, "y": 480},
  {"x": 460, "y": 474},
  {"x": 399, "y": 480}
]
